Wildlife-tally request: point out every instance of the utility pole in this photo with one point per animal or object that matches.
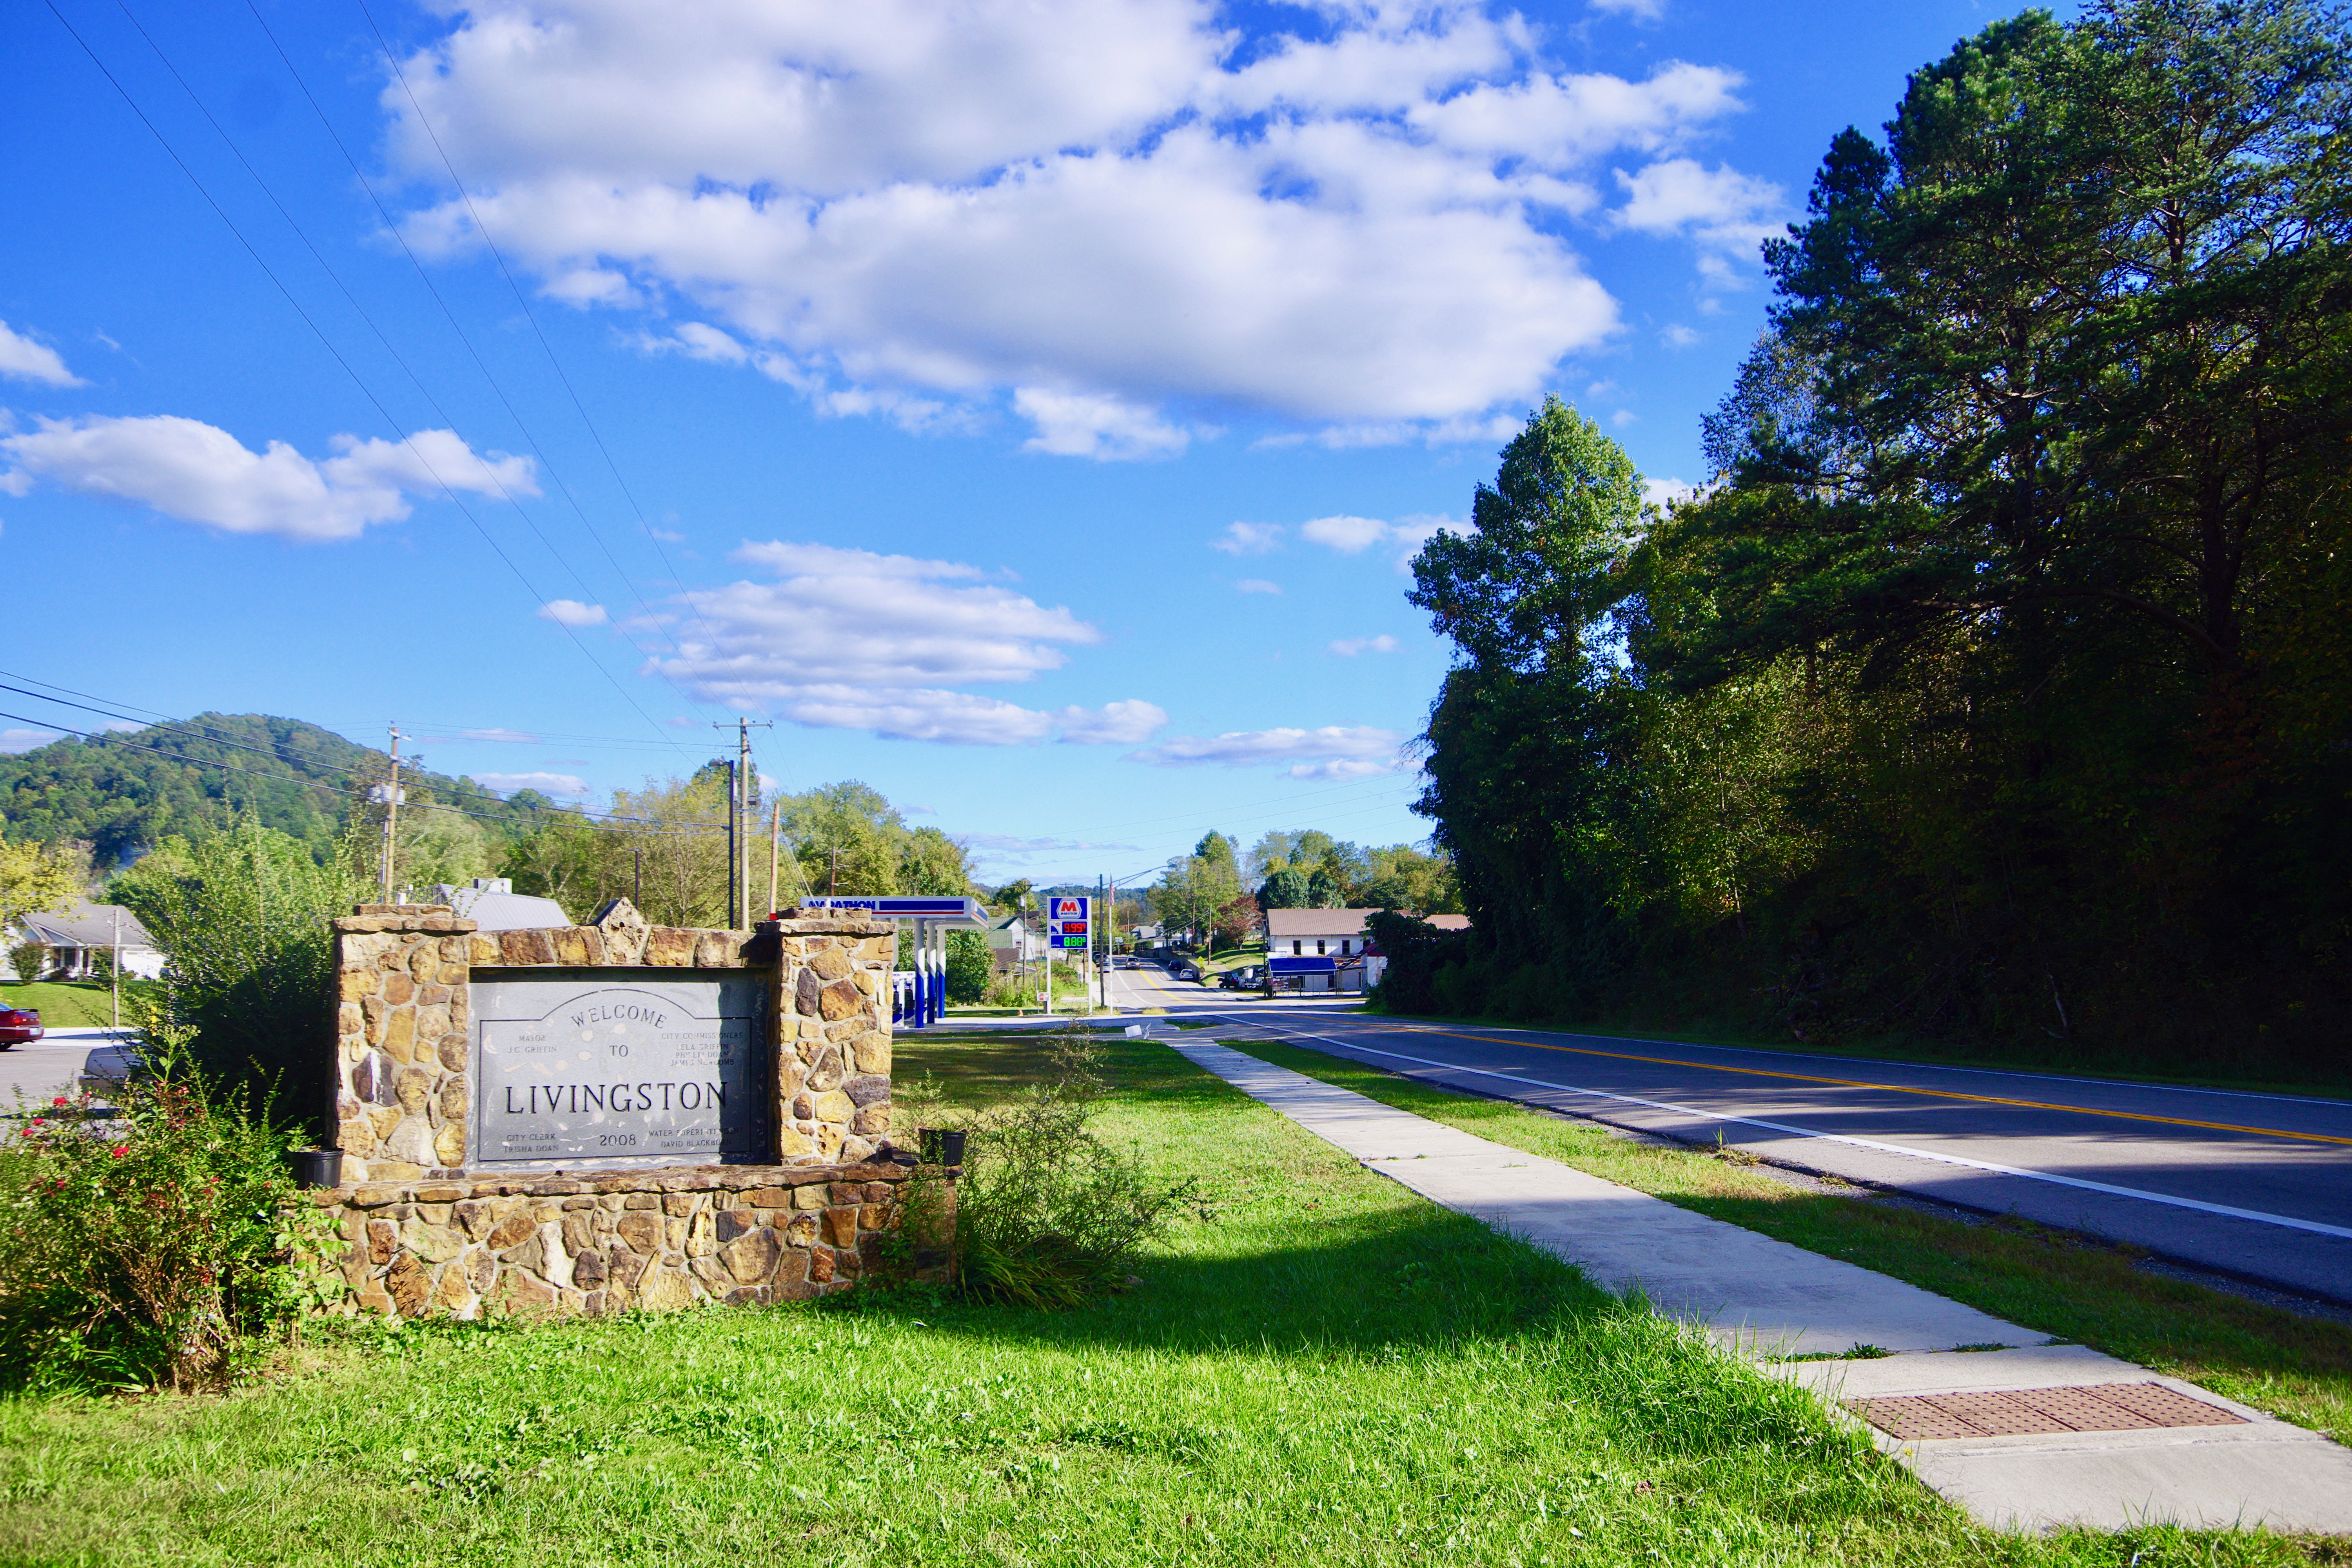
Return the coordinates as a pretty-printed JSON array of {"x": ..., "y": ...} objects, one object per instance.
[
  {"x": 392, "y": 815},
  {"x": 117, "y": 967},
  {"x": 738, "y": 837}
]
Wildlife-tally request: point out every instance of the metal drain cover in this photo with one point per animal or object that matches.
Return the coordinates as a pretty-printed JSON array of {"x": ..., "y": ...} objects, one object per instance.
[{"x": 2021, "y": 1412}]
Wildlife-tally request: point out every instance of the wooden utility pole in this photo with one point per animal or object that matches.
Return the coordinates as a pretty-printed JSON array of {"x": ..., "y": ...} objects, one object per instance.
[
  {"x": 740, "y": 787},
  {"x": 392, "y": 815}
]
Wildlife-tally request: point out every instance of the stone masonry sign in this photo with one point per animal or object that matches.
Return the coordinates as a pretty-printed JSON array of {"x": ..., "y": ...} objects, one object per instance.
[
  {"x": 609, "y": 1117},
  {"x": 575, "y": 1070}
]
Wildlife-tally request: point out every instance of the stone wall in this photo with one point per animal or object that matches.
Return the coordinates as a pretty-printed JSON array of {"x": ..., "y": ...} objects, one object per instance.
[
  {"x": 404, "y": 1027},
  {"x": 654, "y": 1240},
  {"x": 430, "y": 1235}
]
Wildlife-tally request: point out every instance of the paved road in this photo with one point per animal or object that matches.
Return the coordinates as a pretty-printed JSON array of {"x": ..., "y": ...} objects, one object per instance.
[
  {"x": 55, "y": 1065},
  {"x": 2254, "y": 1185}
]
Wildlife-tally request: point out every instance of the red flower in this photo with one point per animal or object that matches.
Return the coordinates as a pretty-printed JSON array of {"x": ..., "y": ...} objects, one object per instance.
[
  {"x": 59, "y": 1100},
  {"x": 121, "y": 1150},
  {"x": 36, "y": 1121}
]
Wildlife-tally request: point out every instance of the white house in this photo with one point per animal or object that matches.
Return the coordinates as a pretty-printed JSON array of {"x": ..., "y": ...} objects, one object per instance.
[
  {"x": 75, "y": 938},
  {"x": 1297, "y": 938}
]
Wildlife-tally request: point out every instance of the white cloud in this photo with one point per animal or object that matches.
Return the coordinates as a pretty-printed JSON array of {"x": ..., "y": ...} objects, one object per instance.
[
  {"x": 1342, "y": 768},
  {"x": 696, "y": 339},
  {"x": 1248, "y": 537},
  {"x": 1114, "y": 724},
  {"x": 571, "y": 612},
  {"x": 1349, "y": 535},
  {"x": 518, "y": 737},
  {"x": 1256, "y": 585},
  {"x": 1092, "y": 206},
  {"x": 1662, "y": 492},
  {"x": 852, "y": 639},
  {"x": 201, "y": 473},
  {"x": 560, "y": 785},
  {"x": 13, "y": 742},
  {"x": 1639, "y": 10},
  {"x": 1011, "y": 847},
  {"x": 1354, "y": 535},
  {"x": 1374, "y": 749},
  {"x": 1678, "y": 336},
  {"x": 1726, "y": 213},
  {"x": 1095, "y": 425},
  {"x": 26, "y": 360},
  {"x": 1348, "y": 648}
]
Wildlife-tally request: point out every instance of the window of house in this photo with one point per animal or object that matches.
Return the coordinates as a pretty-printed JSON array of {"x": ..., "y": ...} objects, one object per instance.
[
  {"x": 1297, "y": 948},
  {"x": 1318, "y": 944}
]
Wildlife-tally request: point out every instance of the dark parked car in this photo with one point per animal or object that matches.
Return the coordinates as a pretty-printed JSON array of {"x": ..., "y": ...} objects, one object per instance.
[
  {"x": 19, "y": 1026},
  {"x": 1249, "y": 977}
]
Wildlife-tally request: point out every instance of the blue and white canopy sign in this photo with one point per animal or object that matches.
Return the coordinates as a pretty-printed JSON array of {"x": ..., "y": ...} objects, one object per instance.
[{"x": 1066, "y": 921}]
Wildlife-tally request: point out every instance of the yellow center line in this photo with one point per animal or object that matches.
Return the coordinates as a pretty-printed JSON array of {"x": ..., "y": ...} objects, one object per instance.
[{"x": 1889, "y": 1087}]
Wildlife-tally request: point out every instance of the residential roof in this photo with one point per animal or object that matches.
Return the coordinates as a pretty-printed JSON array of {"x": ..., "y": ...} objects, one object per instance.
[
  {"x": 492, "y": 904},
  {"x": 1448, "y": 922},
  {"x": 84, "y": 924},
  {"x": 1285, "y": 924}
]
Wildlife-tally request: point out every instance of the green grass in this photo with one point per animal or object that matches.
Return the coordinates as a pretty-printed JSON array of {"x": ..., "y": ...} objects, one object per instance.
[
  {"x": 1328, "y": 1372},
  {"x": 66, "y": 1003},
  {"x": 2059, "y": 1285}
]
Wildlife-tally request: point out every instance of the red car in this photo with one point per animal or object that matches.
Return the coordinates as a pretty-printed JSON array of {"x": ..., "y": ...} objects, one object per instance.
[{"x": 19, "y": 1026}]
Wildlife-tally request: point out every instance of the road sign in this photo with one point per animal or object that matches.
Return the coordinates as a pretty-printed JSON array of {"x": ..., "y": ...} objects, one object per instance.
[{"x": 1068, "y": 922}]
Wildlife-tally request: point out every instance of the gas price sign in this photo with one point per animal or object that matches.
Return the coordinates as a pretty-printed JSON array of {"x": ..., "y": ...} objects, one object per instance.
[{"x": 1068, "y": 923}]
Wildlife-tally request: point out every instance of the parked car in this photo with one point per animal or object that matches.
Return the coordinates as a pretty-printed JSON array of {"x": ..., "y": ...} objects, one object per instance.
[
  {"x": 19, "y": 1026},
  {"x": 1248, "y": 978},
  {"x": 1181, "y": 970}
]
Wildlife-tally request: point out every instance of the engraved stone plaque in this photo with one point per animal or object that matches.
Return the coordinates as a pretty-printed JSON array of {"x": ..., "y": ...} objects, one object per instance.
[{"x": 581, "y": 1069}]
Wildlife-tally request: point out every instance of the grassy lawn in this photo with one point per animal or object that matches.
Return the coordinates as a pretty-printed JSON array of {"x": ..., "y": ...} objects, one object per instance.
[
  {"x": 2298, "y": 1369},
  {"x": 1327, "y": 1370},
  {"x": 64, "y": 1004}
]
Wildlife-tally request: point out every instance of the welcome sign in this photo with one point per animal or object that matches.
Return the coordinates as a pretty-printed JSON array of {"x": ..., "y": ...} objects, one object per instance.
[{"x": 583, "y": 1070}]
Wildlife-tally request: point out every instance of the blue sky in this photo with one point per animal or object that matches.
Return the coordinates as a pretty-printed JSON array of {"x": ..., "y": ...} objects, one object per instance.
[{"x": 1030, "y": 410}]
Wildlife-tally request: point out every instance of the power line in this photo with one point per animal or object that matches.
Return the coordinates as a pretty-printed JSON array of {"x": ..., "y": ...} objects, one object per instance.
[
  {"x": 508, "y": 273},
  {"x": 393, "y": 226},
  {"x": 335, "y": 353}
]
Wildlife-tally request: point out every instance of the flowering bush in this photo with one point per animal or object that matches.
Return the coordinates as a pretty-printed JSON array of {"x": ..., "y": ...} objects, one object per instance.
[{"x": 146, "y": 1247}]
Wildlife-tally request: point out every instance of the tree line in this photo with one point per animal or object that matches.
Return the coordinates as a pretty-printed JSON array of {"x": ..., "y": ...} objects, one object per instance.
[
  {"x": 1994, "y": 692},
  {"x": 1221, "y": 893}
]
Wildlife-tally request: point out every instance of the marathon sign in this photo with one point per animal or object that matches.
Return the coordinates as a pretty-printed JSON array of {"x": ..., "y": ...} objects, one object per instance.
[
  {"x": 574, "y": 1072},
  {"x": 1068, "y": 922}
]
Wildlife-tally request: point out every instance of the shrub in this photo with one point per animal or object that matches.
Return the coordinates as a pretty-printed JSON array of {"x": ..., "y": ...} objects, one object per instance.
[
  {"x": 1047, "y": 1214},
  {"x": 242, "y": 920},
  {"x": 149, "y": 1247},
  {"x": 969, "y": 967}
]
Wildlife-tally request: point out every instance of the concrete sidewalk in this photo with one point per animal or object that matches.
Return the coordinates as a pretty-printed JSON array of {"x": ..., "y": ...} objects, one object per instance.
[{"x": 1765, "y": 1299}]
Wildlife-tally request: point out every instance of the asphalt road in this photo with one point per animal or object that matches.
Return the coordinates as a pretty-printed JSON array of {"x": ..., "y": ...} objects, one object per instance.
[
  {"x": 54, "y": 1066},
  {"x": 2258, "y": 1185}
]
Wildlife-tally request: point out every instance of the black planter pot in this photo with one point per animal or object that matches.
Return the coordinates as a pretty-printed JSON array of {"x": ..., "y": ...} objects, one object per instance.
[
  {"x": 317, "y": 1167},
  {"x": 941, "y": 1145}
]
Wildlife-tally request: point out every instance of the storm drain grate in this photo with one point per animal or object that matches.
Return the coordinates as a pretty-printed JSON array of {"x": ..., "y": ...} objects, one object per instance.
[{"x": 2020, "y": 1412}]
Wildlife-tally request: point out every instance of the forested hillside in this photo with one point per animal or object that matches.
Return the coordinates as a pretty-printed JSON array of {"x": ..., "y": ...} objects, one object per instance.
[
  {"x": 129, "y": 792},
  {"x": 1996, "y": 691}
]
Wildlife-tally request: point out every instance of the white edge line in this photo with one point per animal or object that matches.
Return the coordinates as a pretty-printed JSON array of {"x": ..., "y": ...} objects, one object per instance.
[{"x": 2203, "y": 1207}]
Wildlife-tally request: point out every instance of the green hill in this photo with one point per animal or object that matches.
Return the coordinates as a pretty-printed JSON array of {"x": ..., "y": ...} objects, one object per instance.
[{"x": 125, "y": 792}]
